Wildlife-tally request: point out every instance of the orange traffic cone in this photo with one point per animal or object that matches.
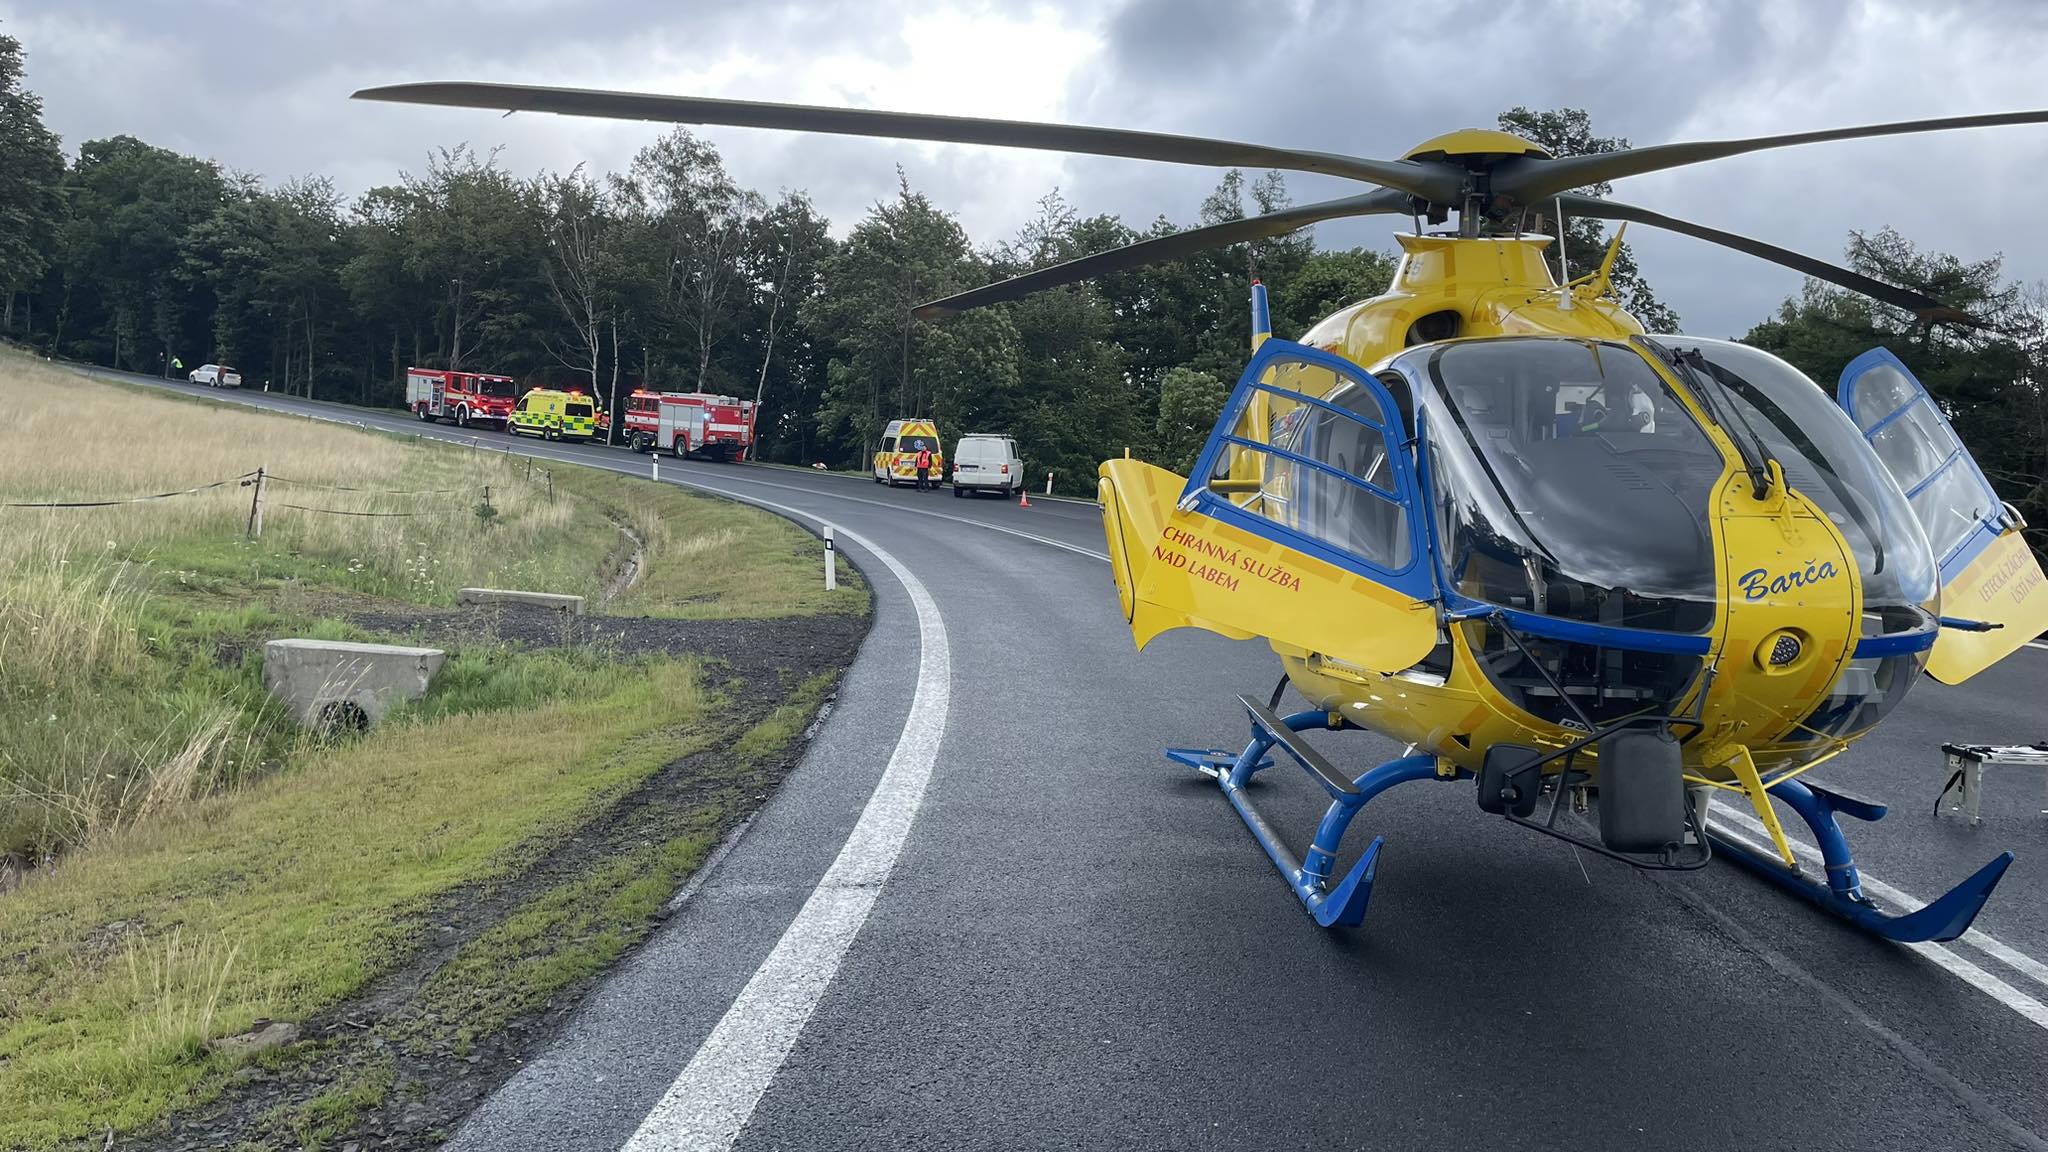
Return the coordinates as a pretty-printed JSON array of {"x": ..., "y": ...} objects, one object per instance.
[{"x": 1023, "y": 498}]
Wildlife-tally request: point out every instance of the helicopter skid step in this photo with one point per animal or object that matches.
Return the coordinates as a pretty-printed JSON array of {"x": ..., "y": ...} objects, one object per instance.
[
  {"x": 1343, "y": 904},
  {"x": 1842, "y": 891}
]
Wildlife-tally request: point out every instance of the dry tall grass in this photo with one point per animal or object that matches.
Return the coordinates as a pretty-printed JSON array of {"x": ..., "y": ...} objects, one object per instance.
[
  {"x": 94, "y": 730},
  {"x": 70, "y": 438}
]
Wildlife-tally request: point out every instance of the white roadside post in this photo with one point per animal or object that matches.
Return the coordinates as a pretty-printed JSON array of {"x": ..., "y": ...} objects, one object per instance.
[
  {"x": 831, "y": 568},
  {"x": 1048, "y": 483},
  {"x": 654, "y": 467}
]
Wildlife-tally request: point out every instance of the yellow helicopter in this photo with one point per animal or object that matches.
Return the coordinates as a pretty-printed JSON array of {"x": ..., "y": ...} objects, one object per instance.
[{"x": 1487, "y": 515}]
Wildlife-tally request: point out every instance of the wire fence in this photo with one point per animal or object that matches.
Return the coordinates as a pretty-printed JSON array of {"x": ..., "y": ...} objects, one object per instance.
[
  {"x": 244, "y": 479},
  {"x": 259, "y": 478},
  {"x": 276, "y": 479}
]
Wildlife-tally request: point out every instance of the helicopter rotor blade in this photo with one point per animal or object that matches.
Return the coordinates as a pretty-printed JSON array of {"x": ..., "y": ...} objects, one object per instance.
[
  {"x": 1924, "y": 308},
  {"x": 1435, "y": 182},
  {"x": 1383, "y": 202},
  {"x": 1527, "y": 181}
]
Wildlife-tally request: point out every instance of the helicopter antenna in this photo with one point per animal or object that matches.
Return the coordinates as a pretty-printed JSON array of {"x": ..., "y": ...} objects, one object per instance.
[{"x": 1564, "y": 264}]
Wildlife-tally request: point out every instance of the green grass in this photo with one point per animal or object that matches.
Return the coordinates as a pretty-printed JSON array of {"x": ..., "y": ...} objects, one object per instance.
[
  {"x": 290, "y": 895},
  {"x": 779, "y": 728},
  {"x": 713, "y": 559},
  {"x": 564, "y": 937},
  {"x": 327, "y": 1116}
]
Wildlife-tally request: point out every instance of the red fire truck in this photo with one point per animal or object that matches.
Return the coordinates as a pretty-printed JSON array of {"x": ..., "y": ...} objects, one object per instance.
[
  {"x": 464, "y": 397},
  {"x": 690, "y": 424}
]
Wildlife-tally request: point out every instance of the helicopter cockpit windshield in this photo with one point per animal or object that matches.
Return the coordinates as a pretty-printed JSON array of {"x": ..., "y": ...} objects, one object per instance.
[{"x": 1569, "y": 481}]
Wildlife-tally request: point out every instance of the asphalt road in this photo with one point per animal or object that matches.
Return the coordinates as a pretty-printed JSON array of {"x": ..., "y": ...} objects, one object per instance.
[{"x": 1010, "y": 923}]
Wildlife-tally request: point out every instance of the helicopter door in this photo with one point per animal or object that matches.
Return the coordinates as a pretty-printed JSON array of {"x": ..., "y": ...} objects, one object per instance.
[
  {"x": 1297, "y": 524},
  {"x": 1987, "y": 571}
]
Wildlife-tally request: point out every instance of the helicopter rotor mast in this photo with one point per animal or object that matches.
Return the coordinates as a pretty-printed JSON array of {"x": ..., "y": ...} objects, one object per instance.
[{"x": 1484, "y": 175}]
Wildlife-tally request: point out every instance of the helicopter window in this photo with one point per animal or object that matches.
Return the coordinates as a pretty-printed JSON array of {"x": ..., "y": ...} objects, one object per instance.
[
  {"x": 1570, "y": 481},
  {"x": 1309, "y": 450},
  {"x": 1827, "y": 461},
  {"x": 1924, "y": 456}
]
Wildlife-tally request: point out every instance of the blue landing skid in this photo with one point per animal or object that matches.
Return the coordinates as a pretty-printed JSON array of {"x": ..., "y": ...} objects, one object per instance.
[
  {"x": 1945, "y": 919},
  {"x": 1342, "y": 905}
]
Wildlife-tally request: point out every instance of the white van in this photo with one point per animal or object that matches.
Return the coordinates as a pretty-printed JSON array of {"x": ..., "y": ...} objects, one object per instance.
[{"x": 986, "y": 463}]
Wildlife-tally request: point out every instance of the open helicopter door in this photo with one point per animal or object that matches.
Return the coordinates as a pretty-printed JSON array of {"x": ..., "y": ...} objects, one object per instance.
[
  {"x": 1300, "y": 523},
  {"x": 1988, "y": 573}
]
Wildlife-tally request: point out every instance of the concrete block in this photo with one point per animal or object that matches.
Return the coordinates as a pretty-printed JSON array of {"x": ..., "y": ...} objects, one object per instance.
[
  {"x": 559, "y": 601},
  {"x": 332, "y": 682}
]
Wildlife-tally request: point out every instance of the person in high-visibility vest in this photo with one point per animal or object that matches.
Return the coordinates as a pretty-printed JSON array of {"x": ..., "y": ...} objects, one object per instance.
[{"x": 924, "y": 465}]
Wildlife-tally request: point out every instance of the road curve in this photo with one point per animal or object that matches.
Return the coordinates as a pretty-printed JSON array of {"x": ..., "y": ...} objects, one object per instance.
[{"x": 1078, "y": 946}]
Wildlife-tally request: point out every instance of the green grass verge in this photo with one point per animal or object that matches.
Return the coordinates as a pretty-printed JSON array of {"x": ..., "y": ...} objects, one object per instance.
[
  {"x": 713, "y": 559},
  {"x": 577, "y": 929},
  {"x": 292, "y": 894}
]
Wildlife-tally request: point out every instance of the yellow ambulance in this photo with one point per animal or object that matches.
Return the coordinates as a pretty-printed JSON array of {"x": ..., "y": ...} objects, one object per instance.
[
  {"x": 553, "y": 415},
  {"x": 896, "y": 463}
]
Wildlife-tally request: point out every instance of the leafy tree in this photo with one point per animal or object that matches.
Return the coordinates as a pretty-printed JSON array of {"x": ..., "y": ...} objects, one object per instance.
[
  {"x": 694, "y": 224},
  {"x": 786, "y": 256},
  {"x": 582, "y": 268},
  {"x": 1987, "y": 380},
  {"x": 133, "y": 208},
  {"x": 472, "y": 236},
  {"x": 1188, "y": 404},
  {"x": 1569, "y": 132},
  {"x": 904, "y": 253},
  {"x": 1327, "y": 282},
  {"x": 1073, "y": 403},
  {"x": 31, "y": 171}
]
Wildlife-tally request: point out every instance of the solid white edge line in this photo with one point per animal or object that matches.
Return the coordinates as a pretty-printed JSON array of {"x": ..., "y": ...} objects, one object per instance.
[
  {"x": 713, "y": 1097},
  {"x": 2026, "y": 1006}
]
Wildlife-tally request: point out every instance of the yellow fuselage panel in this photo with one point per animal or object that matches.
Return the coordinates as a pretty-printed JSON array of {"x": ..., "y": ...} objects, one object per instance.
[
  {"x": 1789, "y": 622},
  {"x": 1496, "y": 287},
  {"x": 2002, "y": 586},
  {"x": 1176, "y": 568}
]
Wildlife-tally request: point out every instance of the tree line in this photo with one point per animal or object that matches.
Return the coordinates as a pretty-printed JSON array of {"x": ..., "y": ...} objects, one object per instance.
[{"x": 672, "y": 275}]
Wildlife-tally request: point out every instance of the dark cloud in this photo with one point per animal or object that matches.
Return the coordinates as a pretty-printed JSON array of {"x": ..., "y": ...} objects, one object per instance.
[{"x": 262, "y": 86}]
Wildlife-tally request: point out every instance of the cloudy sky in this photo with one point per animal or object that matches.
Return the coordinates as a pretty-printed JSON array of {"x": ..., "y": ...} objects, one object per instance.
[{"x": 262, "y": 86}]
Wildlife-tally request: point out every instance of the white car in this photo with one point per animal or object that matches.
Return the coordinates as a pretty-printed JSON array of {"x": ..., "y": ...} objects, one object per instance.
[
  {"x": 215, "y": 376},
  {"x": 986, "y": 463}
]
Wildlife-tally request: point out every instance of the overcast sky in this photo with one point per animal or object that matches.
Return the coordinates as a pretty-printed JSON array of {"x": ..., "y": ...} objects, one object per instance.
[{"x": 263, "y": 86}]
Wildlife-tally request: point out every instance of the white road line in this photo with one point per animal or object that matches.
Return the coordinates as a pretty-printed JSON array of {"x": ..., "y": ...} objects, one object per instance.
[
  {"x": 713, "y": 1097},
  {"x": 2011, "y": 957},
  {"x": 2037, "y": 644},
  {"x": 1942, "y": 956}
]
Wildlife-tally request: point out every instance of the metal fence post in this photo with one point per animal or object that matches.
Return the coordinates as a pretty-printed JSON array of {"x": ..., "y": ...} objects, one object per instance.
[{"x": 256, "y": 508}]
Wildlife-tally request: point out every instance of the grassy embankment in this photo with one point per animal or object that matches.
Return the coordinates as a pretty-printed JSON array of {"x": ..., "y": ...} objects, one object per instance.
[{"x": 206, "y": 865}]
